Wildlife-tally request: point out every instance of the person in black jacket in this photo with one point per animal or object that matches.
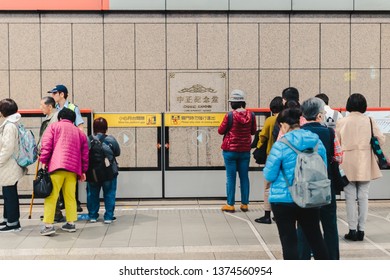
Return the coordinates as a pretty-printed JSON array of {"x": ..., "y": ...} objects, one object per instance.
[{"x": 314, "y": 112}]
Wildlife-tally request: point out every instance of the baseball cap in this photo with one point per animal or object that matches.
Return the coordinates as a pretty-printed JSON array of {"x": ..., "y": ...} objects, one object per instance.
[
  {"x": 237, "y": 95},
  {"x": 59, "y": 88}
]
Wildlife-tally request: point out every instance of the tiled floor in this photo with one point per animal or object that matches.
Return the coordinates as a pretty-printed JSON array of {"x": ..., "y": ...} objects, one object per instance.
[{"x": 182, "y": 230}]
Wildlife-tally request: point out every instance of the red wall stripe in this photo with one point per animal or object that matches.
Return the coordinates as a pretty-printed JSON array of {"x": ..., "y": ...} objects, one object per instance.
[{"x": 54, "y": 5}]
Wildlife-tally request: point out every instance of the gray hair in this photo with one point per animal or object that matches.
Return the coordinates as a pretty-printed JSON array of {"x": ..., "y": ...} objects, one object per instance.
[{"x": 312, "y": 107}]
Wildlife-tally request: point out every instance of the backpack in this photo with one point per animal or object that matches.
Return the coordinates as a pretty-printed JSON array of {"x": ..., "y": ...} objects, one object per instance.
[
  {"x": 311, "y": 186},
  {"x": 331, "y": 122},
  {"x": 99, "y": 167},
  {"x": 28, "y": 151}
]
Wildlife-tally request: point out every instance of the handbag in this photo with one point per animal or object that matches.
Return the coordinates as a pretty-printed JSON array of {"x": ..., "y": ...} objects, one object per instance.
[
  {"x": 339, "y": 179},
  {"x": 42, "y": 185},
  {"x": 260, "y": 154},
  {"x": 376, "y": 148}
]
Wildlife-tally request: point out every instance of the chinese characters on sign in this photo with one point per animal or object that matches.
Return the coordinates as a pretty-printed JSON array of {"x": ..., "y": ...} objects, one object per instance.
[{"x": 197, "y": 92}]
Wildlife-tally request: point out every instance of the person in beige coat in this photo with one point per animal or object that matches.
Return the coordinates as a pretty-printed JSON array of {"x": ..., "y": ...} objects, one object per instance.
[
  {"x": 10, "y": 171},
  {"x": 359, "y": 162}
]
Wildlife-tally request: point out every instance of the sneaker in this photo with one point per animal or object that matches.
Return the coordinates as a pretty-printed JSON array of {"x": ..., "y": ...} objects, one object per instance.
[
  {"x": 46, "y": 231},
  {"x": 110, "y": 221},
  {"x": 244, "y": 207},
  {"x": 228, "y": 208},
  {"x": 264, "y": 220},
  {"x": 68, "y": 227},
  {"x": 3, "y": 224},
  {"x": 92, "y": 220},
  {"x": 15, "y": 228}
]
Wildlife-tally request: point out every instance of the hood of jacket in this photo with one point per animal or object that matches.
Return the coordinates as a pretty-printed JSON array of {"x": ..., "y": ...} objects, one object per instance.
[
  {"x": 242, "y": 116},
  {"x": 303, "y": 140},
  {"x": 14, "y": 118}
]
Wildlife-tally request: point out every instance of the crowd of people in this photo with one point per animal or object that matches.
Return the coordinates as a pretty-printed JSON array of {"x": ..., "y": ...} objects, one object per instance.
[
  {"x": 342, "y": 142},
  {"x": 63, "y": 150}
]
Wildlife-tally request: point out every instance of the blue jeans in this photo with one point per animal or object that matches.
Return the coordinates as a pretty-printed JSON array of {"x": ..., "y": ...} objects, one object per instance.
[
  {"x": 237, "y": 162},
  {"x": 93, "y": 200}
]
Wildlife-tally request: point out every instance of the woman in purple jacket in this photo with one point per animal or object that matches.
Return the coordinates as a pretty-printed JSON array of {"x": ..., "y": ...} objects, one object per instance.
[
  {"x": 236, "y": 148},
  {"x": 64, "y": 153}
]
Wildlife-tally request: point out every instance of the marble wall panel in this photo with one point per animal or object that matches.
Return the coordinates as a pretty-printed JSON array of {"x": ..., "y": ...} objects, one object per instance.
[
  {"x": 365, "y": 45},
  {"x": 119, "y": 46},
  {"x": 181, "y": 46},
  {"x": 306, "y": 81},
  {"x": 210, "y": 153},
  {"x": 119, "y": 93},
  {"x": 128, "y": 148},
  {"x": 335, "y": 45},
  {"x": 385, "y": 85},
  {"x": 60, "y": 77},
  {"x": 150, "y": 46},
  {"x": 56, "y": 46},
  {"x": 335, "y": 84},
  {"x": 366, "y": 17},
  {"x": 4, "y": 84},
  {"x": 259, "y": 17},
  {"x": 88, "y": 89},
  {"x": 385, "y": 46},
  {"x": 4, "y": 47},
  {"x": 150, "y": 91},
  {"x": 25, "y": 88},
  {"x": 272, "y": 83},
  {"x": 6, "y": 17},
  {"x": 205, "y": 17},
  {"x": 366, "y": 82},
  {"x": 139, "y": 17},
  {"x": 212, "y": 46},
  {"x": 319, "y": 18},
  {"x": 87, "y": 46},
  {"x": 248, "y": 81},
  {"x": 274, "y": 46},
  {"x": 304, "y": 45},
  {"x": 183, "y": 151},
  {"x": 243, "y": 46},
  {"x": 24, "y": 46},
  {"x": 146, "y": 147}
]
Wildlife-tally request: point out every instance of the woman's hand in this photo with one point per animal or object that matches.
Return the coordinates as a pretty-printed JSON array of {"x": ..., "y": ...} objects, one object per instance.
[{"x": 83, "y": 177}]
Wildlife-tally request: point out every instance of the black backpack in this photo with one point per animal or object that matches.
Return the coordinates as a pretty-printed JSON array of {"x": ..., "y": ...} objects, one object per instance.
[{"x": 99, "y": 167}]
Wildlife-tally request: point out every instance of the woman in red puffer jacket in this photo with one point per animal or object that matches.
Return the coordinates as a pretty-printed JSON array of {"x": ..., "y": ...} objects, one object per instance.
[{"x": 236, "y": 148}]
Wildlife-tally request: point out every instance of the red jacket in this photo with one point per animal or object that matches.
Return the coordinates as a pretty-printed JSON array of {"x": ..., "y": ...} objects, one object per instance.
[{"x": 239, "y": 138}]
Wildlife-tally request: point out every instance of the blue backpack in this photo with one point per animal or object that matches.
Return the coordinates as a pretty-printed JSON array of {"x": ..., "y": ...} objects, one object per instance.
[{"x": 28, "y": 150}]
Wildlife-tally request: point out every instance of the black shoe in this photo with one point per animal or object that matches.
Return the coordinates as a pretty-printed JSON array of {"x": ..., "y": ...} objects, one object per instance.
[
  {"x": 263, "y": 220},
  {"x": 360, "y": 235},
  {"x": 351, "y": 235},
  {"x": 79, "y": 209},
  {"x": 59, "y": 219},
  {"x": 61, "y": 205},
  {"x": 14, "y": 228},
  {"x": 273, "y": 219}
]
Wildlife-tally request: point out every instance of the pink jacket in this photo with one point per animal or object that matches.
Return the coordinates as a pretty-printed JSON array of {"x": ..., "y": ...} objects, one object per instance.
[{"x": 64, "y": 146}]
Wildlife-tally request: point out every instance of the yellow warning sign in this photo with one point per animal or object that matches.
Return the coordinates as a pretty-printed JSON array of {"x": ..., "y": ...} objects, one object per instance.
[
  {"x": 191, "y": 119},
  {"x": 131, "y": 120}
]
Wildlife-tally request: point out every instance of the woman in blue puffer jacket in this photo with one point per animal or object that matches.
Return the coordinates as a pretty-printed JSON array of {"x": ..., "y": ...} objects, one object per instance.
[{"x": 286, "y": 212}]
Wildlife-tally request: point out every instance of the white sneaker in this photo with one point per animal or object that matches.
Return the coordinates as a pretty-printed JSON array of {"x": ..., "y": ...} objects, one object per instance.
[{"x": 110, "y": 221}]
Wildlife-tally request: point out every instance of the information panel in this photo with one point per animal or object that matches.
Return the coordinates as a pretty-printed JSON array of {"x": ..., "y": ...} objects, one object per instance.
[
  {"x": 193, "y": 119},
  {"x": 131, "y": 120}
]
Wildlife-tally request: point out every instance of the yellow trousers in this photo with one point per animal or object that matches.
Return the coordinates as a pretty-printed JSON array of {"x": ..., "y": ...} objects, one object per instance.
[{"x": 66, "y": 181}]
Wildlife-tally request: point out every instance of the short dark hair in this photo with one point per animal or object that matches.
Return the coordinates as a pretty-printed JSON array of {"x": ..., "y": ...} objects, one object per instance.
[
  {"x": 8, "y": 107},
  {"x": 323, "y": 97},
  {"x": 276, "y": 105},
  {"x": 48, "y": 100},
  {"x": 100, "y": 125},
  {"x": 236, "y": 105},
  {"x": 290, "y": 93},
  {"x": 291, "y": 116},
  {"x": 356, "y": 103},
  {"x": 66, "y": 114}
]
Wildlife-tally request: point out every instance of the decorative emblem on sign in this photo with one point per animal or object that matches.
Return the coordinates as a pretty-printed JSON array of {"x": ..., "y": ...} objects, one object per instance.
[{"x": 197, "y": 89}]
